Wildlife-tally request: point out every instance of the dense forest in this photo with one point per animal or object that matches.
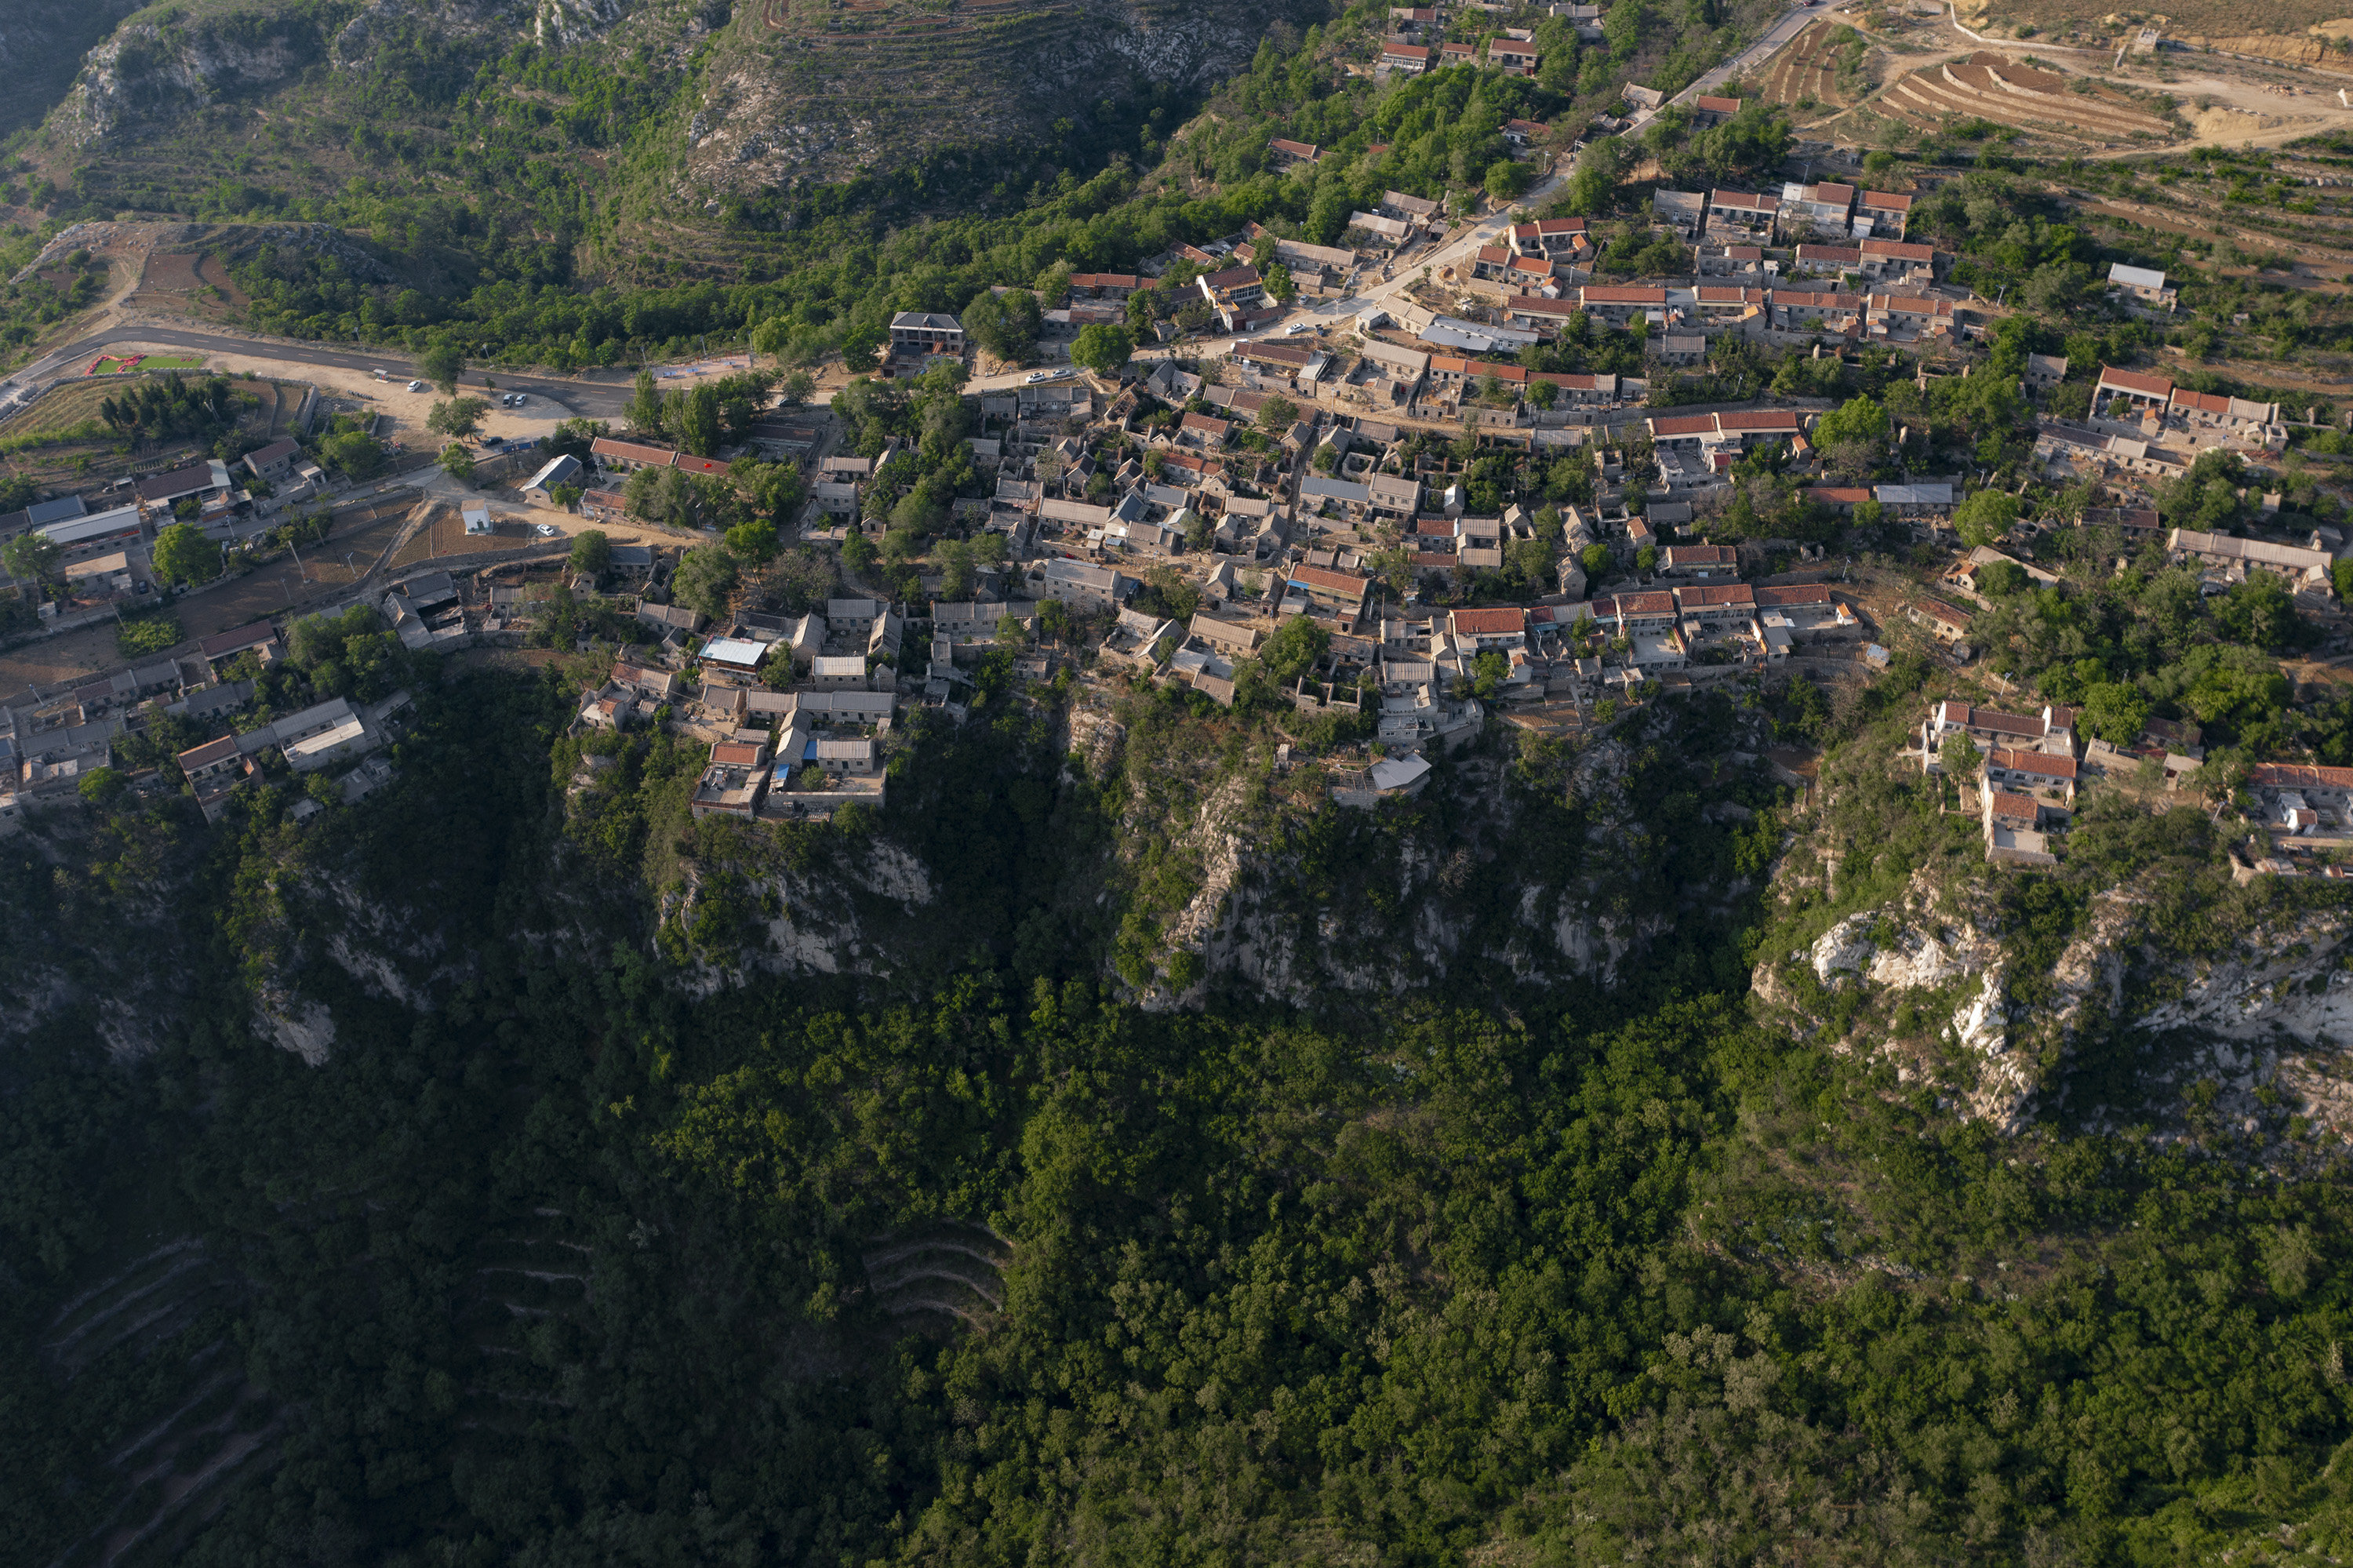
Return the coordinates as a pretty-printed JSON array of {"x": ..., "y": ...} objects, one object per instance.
[{"x": 562, "y": 1254}]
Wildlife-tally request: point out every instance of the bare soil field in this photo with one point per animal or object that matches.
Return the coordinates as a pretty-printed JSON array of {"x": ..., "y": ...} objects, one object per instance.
[
  {"x": 170, "y": 272},
  {"x": 445, "y": 536}
]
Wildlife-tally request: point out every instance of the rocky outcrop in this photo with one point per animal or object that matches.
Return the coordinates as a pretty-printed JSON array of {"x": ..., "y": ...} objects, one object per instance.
[
  {"x": 152, "y": 70},
  {"x": 295, "y": 1024}
]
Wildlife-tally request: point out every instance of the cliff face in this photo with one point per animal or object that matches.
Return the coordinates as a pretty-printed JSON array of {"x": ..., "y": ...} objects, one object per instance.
[
  {"x": 2232, "y": 1023},
  {"x": 157, "y": 67}
]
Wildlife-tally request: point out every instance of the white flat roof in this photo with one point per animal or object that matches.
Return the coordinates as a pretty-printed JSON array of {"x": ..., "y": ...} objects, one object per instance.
[{"x": 734, "y": 651}]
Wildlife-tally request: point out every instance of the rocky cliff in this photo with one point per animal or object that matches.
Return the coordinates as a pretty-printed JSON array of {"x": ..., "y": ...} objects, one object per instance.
[{"x": 2169, "y": 1001}]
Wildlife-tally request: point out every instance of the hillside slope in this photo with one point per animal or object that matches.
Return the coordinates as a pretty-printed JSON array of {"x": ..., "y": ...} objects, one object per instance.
[
  {"x": 664, "y": 108},
  {"x": 41, "y": 46}
]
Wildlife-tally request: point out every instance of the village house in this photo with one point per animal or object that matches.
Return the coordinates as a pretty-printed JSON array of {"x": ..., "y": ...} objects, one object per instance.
[
  {"x": 1340, "y": 593},
  {"x": 1742, "y": 213},
  {"x": 99, "y": 534},
  {"x": 926, "y": 331},
  {"x": 1285, "y": 154},
  {"x": 1517, "y": 56},
  {"x": 2012, "y": 824},
  {"x": 1478, "y": 631},
  {"x": 732, "y": 783},
  {"x": 1826, "y": 206},
  {"x": 1889, "y": 213},
  {"x": 1081, "y": 583},
  {"x": 1411, "y": 59},
  {"x": 1944, "y": 622},
  {"x": 274, "y": 463},
  {"x": 2139, "y": 391},
  {"x": 2051, "y": 730},
  {"x": 167, "y": 490},
  {"x": 2030, "y": 770},
  {"x": 1549, "y": 236},
  {"x": 1699, "y": 561},
  {"x": 2236, "y": 557},
  {"x": 560, "y": 470},
  {"x": 2141, "y": 284},
  {"x": 2300, "y": 800},
  {"x": 1618, "y": 302},
  {"x": 628, "y": 457},
  {"x": 1234, "y": 287},
  {"x": 260, "y": 639}
]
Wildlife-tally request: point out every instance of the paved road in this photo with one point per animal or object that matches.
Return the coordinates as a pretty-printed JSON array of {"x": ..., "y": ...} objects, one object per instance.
[{"x": 595, "y": 400}]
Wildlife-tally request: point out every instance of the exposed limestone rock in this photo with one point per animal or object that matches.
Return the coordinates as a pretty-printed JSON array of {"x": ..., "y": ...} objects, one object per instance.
[{"x": 296, "y": 1024}]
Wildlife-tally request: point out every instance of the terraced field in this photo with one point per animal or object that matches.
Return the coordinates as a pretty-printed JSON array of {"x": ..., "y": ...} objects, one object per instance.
[
  {"x": 1989, "y": 87},
  {"x": 167, "y": 1313},
  {"x": 1808, "y": 68}
]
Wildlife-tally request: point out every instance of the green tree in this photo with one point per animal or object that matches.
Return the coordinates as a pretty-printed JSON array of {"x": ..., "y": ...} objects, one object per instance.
[
  {"x": 458, "y": 461},
  {"x": 705, "y": 576},
  {"x": 1277, "y": 415},
  {"x": 102, "y": 785},
  {"x": 1595, "y": 559},
  {"x": 1281, "y": 286},
  {"x": 1296, "y": 647},
  {"x": 1985, "y": 517},
  {"x": 1860, "y": 421},
  {"x": 857, "y": 553},
  {"x": 32, "y": 557},
  {"x": 1959, "y": 756},
  {"x": 592, "y": 552},
  {"x": 697, "y": 422},
  {"x": 2115, "y": 712},
  {"x": 458, "y": 417},
  {"x": 1102, "y": 348},
  {"x": 182, "y": 554},
  {"x": 754, "y": 540},
  {"x": 441, "y": 365},
  {"x": 1508, "y": 180},
  {"x": 644, "y": 410}
]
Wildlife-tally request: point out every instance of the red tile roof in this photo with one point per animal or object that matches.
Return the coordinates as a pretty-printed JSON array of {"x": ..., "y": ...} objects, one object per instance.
[
  {"x": 1330, "y": 581},
  {"x": 1488, "y": 622},
  {"x": 2038, "y": 762},
  {"x": 2136, "y": 381},
  {"x": 2298, "y": 776}
]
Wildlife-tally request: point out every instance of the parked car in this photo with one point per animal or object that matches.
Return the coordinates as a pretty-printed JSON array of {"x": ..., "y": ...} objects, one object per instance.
[{"x": 416, "y": 386}]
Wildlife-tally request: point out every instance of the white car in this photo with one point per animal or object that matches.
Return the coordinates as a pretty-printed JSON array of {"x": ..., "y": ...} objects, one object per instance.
[
  {"x": 416, "y": 386},
  {"x": 521, "y": 399},
  {"x": 1035, "y": 376},
  {"x": 1295, "y": 328},
  {"x": 547, "y": 530}
]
